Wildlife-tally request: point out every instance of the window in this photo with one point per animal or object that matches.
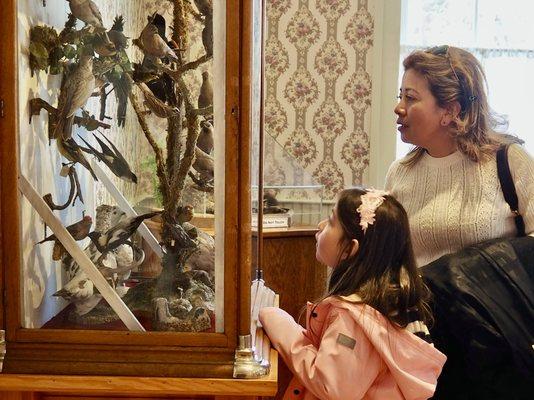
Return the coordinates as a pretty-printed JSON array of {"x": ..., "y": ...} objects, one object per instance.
[{"x": 499, "y": 33}]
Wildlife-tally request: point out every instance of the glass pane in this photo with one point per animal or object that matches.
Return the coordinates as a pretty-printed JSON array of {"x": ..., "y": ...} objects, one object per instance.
[{"x": 138, "y": 78}]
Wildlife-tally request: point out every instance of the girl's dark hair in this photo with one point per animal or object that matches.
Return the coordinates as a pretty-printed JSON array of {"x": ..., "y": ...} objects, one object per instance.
[
  {"x": 454, "y": 74},
  {"x": 383, "y": 272}
]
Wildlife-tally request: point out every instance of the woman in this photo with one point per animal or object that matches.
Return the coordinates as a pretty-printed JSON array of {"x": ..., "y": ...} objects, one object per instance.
[
  {"x": 450, "y": 189},
  {"x": 448, "y": 183}
]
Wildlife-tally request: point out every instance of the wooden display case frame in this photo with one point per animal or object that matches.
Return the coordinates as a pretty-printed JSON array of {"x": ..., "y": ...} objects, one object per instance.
[{"x": 50, "y": 351}]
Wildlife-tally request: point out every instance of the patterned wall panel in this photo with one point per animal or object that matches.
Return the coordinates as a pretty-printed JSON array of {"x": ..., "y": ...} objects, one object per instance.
[{"x": 318, "y": 91}]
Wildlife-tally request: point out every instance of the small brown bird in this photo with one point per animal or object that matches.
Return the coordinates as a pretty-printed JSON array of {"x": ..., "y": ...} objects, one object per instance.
[
  {"x": 72, "y": 152},
  {"x": 203, "y": 164},
  {"x": 86, "y": 11},
  {"x": 205, "y": 98},
  {"x": 154, "y": 45},
  {"x": 184, "y": 214},
  {"x": 207, "y": 35},
  {"x": 104, "y": 46},
  {"x": 205, "y": 137},
  {"x": 75, "y": 91},
  {"x": 112, "y": 158},
  {"x": 79, "y": 230}
]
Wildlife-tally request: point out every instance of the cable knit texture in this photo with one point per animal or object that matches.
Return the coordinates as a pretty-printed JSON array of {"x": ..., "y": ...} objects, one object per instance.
[{"x": 453, "y": 202}]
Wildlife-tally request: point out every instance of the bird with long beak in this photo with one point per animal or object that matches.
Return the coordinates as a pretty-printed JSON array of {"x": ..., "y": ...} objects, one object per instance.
[
  {"x": 75, "y": 91},
  {"x": 118, "y": 234},
  {"x": 86, "y": 11},
  {"x": 79, "y": 230},
  {"x": 154, "y": 45},
  {"x": 112, "y": 158}
]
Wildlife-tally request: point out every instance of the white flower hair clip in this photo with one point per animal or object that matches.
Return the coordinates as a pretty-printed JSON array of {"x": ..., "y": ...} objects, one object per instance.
[{"x": 370, "y": 202}]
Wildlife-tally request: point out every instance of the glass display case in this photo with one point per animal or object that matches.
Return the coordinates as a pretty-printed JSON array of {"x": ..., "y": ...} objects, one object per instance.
[
  {"x": 291, "y": 196},
  {"x": 126, "y": 199}
]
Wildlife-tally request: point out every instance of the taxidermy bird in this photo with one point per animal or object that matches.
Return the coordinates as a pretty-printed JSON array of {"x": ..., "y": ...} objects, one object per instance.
[
  {"x": 104, "y": 46},
  {"x": 158, "y": 107},
  {"x": 75, "y": 91},
  {"x": 205, "y": 98},
  {"x": 154, "y": 45},
  {"x": 86, "y": 11},
  {"x": 78, "y": 231},
  {"x": 205, "y": 137},
  {"x": 207, "y": 35},
  {"x": 205, "y": 7},
  {"x": 116, "y": 34},
  {"x": 203, "y": 164},
  {"x": 112, "y": 158},
  {"x": 79, "y": 288},
  {"x": 118, "y": 234},
  {"x": 69, "y": 149},
  {"x": 184, "y": 213}
]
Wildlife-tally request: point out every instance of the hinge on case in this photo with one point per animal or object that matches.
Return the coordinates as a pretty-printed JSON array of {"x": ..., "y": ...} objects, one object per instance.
[{"x": 1, "y": 108}]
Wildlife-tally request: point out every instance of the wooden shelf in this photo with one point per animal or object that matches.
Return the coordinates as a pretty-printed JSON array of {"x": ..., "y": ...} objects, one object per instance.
[{"x": 142, "y": 386}]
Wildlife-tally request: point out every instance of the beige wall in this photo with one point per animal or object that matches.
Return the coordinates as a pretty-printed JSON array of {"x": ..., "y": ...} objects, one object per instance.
[{"x": 324, "y": 81}]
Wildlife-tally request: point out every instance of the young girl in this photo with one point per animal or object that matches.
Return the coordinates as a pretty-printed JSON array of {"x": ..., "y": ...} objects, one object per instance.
[{"x": 366, "y": 338}]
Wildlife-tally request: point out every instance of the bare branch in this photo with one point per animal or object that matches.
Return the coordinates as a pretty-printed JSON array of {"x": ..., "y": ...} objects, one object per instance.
[{"x": 203, "y": 111}]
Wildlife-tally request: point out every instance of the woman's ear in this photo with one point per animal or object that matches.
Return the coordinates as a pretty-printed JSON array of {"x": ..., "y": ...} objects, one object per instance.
[
  {"x": 452, "y": 110},
  {"x": 354, "y": 246}
]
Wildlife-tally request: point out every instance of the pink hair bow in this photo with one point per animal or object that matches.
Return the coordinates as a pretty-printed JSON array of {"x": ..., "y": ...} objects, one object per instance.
[{"x": 370, "y": 202}]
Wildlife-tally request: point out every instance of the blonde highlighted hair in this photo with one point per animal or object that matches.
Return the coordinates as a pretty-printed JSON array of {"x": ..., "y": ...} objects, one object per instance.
[{"x": 454, "y": 74}]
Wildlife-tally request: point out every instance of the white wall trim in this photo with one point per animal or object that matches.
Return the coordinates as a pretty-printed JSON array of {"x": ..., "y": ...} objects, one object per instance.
[{"x": 384, "y": 78}]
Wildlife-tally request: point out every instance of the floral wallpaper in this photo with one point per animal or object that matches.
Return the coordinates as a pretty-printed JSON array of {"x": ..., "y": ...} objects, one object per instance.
[{"x": 318, "y": 92}]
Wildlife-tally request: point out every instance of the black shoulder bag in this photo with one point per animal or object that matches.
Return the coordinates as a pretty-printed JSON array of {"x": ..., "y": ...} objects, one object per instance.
[{"x": 483, "y": 303}]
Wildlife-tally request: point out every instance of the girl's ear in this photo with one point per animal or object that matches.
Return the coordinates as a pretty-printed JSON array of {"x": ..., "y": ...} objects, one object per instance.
[
  {"x": 452, "y": 110},
  {"x": 354, "y": 246}
]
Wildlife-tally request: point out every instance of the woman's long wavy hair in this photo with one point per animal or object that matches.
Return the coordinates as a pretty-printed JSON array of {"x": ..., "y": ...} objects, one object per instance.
[
  {"x": 383, "y": 272},
  {"x": 454, "y": 74}
]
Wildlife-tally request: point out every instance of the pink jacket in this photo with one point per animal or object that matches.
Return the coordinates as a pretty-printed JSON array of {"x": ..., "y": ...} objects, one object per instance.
[{"x": 350, "y": 351}]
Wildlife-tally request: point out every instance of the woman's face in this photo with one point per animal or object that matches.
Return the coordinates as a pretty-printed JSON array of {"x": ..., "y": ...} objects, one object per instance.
[
  {"x": 418, "y": 115},
  {"x": 329, "y": 240}
]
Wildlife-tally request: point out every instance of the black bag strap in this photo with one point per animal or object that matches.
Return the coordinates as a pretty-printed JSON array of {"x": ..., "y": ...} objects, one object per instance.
[{"x": 508, "y": 188}]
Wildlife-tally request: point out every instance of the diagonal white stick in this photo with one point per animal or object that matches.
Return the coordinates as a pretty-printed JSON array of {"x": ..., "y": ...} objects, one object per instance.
[
  {"x": 125, "y": 206},
  {"x": 79, "y": 256}
]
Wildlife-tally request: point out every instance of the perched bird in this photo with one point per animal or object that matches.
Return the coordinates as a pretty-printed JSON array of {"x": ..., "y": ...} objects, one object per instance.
[
  {"x": 269, "y": 198},
  {"x": 184, "y": 214},
  {"x": 75, "y": 91},
  {"x": 154, "y": 45},
  {"x": 205, "y": 7},
  {"x": 86, "y": 11},
  {"x": 79, "y": 230},
  {"x": 203, "y": 164},
  {"x": 79, "y": 288},
  {"x": 112, "y": 158},
  {"x": 116, "y": 34},
  {"x": 118, "y": 234},
  {"x": 122, "y": 86},
  {"x": 104, "y": 46},
  {"x": 207, "y": 35},
  {"x": 205, "y": 137},
  {"x": 158, "y": 107},
  {"x": 205, "y": 98},
  {"x": 180, "y": 238},
  {"x": 72, "y": 152}
]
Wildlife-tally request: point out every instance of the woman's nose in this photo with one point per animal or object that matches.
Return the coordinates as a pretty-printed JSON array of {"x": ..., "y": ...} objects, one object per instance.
[{"x": 399, "y": 109}]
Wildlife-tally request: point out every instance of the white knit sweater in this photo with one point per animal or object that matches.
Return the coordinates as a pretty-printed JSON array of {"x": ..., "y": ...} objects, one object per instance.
[{"x": 453, "y": 202}]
